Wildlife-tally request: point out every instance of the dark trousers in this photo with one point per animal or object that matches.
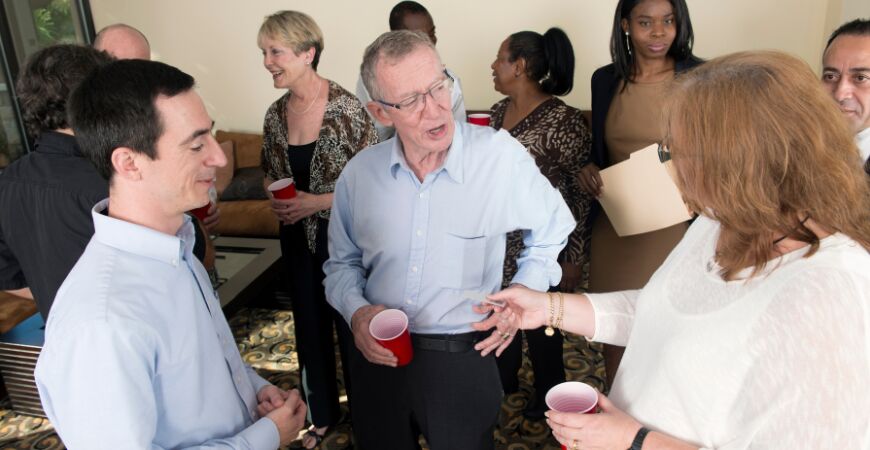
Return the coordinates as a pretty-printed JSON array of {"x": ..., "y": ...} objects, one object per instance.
[
  {"x": 453, "y": 399},
  {"x": 314, "y": 318},
  {"x": 545, "y": 354}
]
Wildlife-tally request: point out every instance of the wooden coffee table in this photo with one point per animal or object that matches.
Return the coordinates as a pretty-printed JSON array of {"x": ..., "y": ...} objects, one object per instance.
[{"x": 246, "y": 268}]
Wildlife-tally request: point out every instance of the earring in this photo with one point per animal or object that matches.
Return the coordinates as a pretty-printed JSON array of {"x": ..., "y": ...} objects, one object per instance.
[{"x": 628, "y": 43}]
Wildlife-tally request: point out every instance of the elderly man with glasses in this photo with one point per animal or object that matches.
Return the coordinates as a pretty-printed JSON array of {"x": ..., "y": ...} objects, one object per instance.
[
  {"x": 410, "y": 15},
  {"x": 418, "y": 224}
]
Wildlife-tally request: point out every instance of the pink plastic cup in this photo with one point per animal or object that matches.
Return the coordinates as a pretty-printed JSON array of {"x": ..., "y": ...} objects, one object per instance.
[
  {"x": 573, "y": 397},
  {"x": 479, "y": 119},
  {"x": 284, "y": 188},
  {"x": 390, "y": 328}
]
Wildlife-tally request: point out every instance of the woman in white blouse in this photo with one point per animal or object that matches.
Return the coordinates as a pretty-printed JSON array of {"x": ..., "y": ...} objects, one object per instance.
[{"x": 755, "y": 332}]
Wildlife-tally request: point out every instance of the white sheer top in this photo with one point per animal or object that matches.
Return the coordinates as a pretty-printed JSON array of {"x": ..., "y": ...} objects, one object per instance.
[
  {"x": 863, "y": 140},
  {"x": 781, "y": 360}
]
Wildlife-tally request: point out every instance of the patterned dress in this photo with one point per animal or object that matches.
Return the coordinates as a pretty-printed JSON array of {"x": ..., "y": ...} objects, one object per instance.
[
  {"x": 346, "y": 130},
  {"x": 558, "y": 138}
]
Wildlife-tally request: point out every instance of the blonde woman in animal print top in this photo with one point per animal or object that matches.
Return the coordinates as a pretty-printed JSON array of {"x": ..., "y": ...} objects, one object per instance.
[{"x": 309, "y": 134}]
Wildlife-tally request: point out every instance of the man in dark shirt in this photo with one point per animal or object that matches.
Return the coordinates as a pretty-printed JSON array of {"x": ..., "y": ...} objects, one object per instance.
[{"x": 46, "y": 196}]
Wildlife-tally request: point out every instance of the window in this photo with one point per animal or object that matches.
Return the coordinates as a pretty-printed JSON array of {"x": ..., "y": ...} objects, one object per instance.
[{"x": 27, "y": 26}]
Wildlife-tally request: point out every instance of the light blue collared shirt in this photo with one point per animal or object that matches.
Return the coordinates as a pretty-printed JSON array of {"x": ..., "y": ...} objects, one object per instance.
[
  {"x": 138, "y": 354},
  {"x": 423, "y": 247}
]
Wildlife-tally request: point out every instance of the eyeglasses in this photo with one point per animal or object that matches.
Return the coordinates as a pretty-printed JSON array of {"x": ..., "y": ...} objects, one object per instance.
[
  {"x": 440, "y": 93},
  {"x": 664, "y": 153}
]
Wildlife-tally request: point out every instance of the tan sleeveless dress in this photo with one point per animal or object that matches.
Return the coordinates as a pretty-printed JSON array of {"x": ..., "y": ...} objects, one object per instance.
[{"x": 634, "y": 121}]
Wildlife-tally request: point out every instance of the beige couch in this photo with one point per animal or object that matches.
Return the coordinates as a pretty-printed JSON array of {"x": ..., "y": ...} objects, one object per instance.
[{"x": 244, "y": 217}]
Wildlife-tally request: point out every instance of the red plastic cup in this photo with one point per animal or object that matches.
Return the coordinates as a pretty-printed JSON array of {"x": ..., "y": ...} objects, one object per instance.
[
  {"x": 573, "y": 397},
  {"x": 284, "y": 188},
  {"x": 479, "y": 119},
  {"x": 202, "y": 212},
  {"x": 390, "y": 328}
]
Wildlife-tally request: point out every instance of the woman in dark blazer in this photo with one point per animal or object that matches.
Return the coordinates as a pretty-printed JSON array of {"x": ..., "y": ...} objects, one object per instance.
[{"x": 650, "y": 45}]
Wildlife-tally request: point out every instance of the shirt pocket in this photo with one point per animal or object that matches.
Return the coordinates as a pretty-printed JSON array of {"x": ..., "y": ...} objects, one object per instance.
[{"x": 463, "y": 261}]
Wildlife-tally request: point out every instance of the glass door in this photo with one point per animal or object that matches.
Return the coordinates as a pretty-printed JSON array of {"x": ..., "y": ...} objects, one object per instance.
[{"x": 27, "y": 26}]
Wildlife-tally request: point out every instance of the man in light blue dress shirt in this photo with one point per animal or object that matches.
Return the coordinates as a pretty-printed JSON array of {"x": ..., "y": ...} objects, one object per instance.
[
  {"x": 419, "y": 223},
  {"x": 138, "y": 354}
]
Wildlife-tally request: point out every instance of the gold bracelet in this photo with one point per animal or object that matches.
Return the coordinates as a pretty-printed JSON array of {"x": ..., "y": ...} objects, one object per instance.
[
  {"x": 550, "y": 320},
  {"x": 561, "y": 311}
]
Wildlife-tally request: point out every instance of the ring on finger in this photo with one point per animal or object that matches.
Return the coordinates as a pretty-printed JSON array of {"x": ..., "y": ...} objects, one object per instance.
[
  {"x": 574, "y": 444},
  {"x": 505, "y": 336}
]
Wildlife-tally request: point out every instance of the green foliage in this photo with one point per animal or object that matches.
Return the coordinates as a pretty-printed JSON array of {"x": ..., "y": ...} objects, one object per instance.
[{"x": 54, "y": 23}]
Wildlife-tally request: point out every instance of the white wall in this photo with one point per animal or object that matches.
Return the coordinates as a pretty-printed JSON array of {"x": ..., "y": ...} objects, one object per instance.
[
  {"x": 842, "y": 11},
  {"x": 215, "y": 40},
  {"x": 853, "y": 9}
]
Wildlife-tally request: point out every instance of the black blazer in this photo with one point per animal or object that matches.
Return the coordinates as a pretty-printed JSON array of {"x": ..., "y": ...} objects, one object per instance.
[{"x": 604, "y": 84}]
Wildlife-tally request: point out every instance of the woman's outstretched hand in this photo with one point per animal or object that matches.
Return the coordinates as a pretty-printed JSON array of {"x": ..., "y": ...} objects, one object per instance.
[{"x": 523, "y": 308}]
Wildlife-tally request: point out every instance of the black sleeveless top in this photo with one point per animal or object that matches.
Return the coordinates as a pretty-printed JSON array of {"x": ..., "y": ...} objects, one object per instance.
[{"x": 299, "y": 157}]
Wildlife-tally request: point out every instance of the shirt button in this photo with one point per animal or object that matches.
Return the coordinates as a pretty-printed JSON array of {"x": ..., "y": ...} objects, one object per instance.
[
  {"x": 409, "y": 302},
  {"x": 414, "y": 269},
  {"x": 238, "y": 379},
  {"x": 422, "y": 195},
  {"x": 419, "y": 232},
  {"x": 174, "y": 262}
]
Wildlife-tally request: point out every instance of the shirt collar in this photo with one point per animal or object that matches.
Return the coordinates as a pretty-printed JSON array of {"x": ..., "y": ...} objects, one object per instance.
[
  {"x": 54, "y": 142},
  {"x": 863, "y": 139},
  {"x": 452, "y": 164},
  {"x": 140, "y": 240},
  {"x": 397, "y": 156}
]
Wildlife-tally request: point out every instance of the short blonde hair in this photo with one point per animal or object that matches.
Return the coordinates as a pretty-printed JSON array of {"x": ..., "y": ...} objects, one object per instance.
[
  {"x": 758, "y": 145},
  {"x": 295, "y": 30}
]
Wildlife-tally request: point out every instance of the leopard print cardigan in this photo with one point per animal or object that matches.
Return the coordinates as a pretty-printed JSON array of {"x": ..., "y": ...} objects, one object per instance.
[
  {"x": 557, "y": 137},
  {"x": 346, "y": 129}
]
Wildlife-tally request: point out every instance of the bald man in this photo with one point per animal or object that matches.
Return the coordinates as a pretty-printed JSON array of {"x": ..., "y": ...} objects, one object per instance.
[{"x": 123, "y": 42}]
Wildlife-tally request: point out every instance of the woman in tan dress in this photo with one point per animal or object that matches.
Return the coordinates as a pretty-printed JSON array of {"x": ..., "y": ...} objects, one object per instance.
[{"x": 651, "y": 43}]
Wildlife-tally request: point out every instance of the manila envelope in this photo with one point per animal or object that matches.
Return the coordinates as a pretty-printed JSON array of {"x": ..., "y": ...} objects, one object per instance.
[{"x": 639, "y": 194}]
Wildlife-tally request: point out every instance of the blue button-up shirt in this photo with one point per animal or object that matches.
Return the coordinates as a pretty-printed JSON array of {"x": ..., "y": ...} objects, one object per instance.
[
  {"x": 138, "y": 354},
  {"x": 431, "y": 248}
]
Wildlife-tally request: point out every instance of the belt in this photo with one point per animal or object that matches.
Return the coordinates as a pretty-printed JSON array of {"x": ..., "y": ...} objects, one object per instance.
[{"x": 450, "y": 343}]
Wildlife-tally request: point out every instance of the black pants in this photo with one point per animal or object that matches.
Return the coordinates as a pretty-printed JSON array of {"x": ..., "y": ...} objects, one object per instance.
[
  {"x": 545, "y": 353},
  {"x": 453, "y": 399},
  {"x": 313, "y": 318}
]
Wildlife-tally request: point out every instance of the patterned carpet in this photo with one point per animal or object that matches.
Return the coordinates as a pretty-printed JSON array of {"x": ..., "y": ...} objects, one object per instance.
[{"x": 265, "y": 339}]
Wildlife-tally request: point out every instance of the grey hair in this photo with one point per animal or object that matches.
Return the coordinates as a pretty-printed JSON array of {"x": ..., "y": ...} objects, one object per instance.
[{"x": 392, "y": 45}]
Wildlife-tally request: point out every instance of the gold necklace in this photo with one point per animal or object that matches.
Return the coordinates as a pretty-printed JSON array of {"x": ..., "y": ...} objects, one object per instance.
[{"x": 289, "y": 106}]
